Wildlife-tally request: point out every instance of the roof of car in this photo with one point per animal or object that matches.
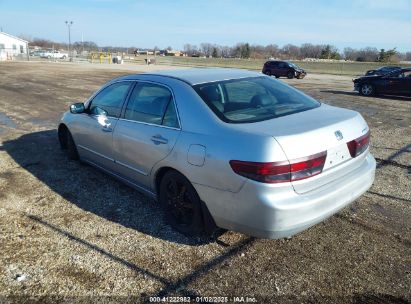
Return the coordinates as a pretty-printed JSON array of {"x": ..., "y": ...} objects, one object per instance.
[{"x": 195, "y": 76}]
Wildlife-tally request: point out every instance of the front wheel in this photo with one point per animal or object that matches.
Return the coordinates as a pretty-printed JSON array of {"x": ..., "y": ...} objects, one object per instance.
[
  {"x": 67, "y": 143},
  {"x": 268, "y": 73},
  {"x": 181, "y": 204},
  {"x": 367, "y": 90}
]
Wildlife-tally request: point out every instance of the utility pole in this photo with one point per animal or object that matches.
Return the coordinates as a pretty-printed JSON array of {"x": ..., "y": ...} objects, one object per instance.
[{"x": 69, "y": 24}]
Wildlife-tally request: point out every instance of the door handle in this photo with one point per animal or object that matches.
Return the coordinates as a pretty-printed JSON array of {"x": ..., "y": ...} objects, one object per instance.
[
  {"x": 107, "y": 128},
  {"x": 158, "y": 139}
]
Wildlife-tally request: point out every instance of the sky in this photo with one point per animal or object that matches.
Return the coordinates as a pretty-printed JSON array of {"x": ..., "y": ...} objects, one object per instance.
[{"x": 162, "y": 23}]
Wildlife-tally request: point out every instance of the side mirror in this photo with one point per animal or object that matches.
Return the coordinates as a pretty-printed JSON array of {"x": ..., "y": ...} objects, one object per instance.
[{"x": 77, "y": 108}]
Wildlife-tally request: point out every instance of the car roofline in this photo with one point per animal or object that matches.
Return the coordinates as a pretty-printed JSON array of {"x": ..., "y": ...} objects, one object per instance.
[{"x": 135, "y": 77}]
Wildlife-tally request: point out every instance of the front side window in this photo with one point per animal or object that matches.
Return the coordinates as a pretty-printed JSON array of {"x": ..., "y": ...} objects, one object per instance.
[
  {"x": 152, "y": 103},
  {"x": 110, "y": 100},
  {"x": 253, "y": 99},
  {"x": 405, "y": 74}
]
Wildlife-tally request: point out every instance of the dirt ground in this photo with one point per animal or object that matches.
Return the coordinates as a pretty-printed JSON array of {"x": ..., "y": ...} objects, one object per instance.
[{"x": 70, "y": 233}]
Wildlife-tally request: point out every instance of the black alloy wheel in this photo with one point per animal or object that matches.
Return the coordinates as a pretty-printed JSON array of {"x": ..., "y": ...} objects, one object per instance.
[{"x": 181, "y": 204}]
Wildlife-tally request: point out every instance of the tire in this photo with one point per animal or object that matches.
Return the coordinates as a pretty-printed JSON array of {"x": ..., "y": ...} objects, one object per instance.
[
  {"x": 367, "y": 89},
  {"x": 181, "y": 204},
  {"x": 290, "y": 75},
  {"x": 64, "y": 57},
  {"x": 67, "y": 143},
  {"x": 268, "y": 73},
  {"x": 49, "y": 57},
  {"x": 276, "y": 76}
]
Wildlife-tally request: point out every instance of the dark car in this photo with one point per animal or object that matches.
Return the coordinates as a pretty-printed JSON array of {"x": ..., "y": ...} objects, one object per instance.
[
  {"x": 283, "y": 69},
  {"x": 397, "y": 82},
  {"x": 382, "y": 70}
]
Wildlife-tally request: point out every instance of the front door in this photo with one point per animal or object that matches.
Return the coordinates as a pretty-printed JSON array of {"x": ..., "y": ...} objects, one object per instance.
[
  {"x": 94, "y": 129},
  {"x": 405, "y": 84},
  {"x": 146, "y": 133}
]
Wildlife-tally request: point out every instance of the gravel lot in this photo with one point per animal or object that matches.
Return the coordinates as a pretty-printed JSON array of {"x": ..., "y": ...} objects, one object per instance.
[{"x": 70, "y": 233}]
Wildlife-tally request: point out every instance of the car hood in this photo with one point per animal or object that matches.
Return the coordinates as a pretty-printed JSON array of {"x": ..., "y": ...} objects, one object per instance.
[{"x": 369, "y": 77}]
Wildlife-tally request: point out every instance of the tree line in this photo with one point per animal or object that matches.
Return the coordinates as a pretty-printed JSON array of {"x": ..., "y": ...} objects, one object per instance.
[
  {"x": 254, "y": 51},
  {"x": 294, "y": 52}
]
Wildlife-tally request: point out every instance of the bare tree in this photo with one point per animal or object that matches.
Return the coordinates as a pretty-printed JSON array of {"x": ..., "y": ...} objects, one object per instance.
[
  {"x": 206, "y": 48},
  {"x": 350, "y": 53},
  {"x": 308, "y": 50},
  {"x": 291, "y": 51},
  {"x": 368, "y": 54}
]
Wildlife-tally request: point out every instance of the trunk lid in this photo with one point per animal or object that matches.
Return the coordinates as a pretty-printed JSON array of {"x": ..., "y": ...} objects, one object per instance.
[{"x": 303, "y": 134}]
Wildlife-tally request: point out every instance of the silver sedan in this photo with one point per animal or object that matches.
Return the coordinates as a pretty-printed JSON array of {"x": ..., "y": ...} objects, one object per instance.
[{"x": 224, "y": 148}]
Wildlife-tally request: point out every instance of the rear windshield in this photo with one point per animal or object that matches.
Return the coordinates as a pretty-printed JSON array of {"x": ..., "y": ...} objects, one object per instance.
[{"x": 253, "y": 99}]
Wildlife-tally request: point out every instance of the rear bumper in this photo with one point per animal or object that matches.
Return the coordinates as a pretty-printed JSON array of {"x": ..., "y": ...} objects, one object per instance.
[{"x": 272, "y": 211}]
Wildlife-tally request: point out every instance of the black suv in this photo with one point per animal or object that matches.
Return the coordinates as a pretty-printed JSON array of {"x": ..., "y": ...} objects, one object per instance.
[{"x": 283, "y": 69}]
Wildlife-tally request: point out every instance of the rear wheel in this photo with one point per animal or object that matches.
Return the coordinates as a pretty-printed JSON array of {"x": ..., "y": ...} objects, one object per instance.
[
  {"x": 290, "y": 75},
  {"x": 181, "y": 204},
  {"x": 367, "y": 89},
  {"x": 268, "y": 73}
]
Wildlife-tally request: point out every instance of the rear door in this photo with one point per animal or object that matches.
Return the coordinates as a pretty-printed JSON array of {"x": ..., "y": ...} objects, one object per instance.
[
  {"x": 94, "y": 130},
  {"x": 147, "y": 131}
]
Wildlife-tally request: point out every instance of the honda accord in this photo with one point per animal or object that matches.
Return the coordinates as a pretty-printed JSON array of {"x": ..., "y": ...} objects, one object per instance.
[{"x": 224, "y": 148}]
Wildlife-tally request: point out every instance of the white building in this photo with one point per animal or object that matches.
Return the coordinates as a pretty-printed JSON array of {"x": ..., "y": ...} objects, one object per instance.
[{"x": 11, "y": 47}]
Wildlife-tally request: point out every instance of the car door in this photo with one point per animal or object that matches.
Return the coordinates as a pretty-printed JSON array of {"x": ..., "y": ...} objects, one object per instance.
[
  {"x": 392, "y": 83},
  {"x": 94, "y": 129},
  {"x": 274, "y": 68},
  {"x": 282, "y": 68},
  {"x": 146, "y": 133},
  {"x": 405, "y": 83}
]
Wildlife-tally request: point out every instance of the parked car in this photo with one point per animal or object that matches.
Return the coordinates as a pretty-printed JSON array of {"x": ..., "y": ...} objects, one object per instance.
[
  {"x": 224, "y": 148},
  {"x": 36, "y": 53},
  {"x": 54, "y": 55},
  {"x": 283, "y": 69},
  {"x": 398, "y": 82},
  {"x": 382, "y": 70}
]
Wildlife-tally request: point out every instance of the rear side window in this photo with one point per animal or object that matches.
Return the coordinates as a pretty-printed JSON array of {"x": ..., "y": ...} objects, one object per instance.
[
  {"x": 151, "y": 103},
  {"x": 253, "y": 99},
  {"x": 110, "y": 100}
]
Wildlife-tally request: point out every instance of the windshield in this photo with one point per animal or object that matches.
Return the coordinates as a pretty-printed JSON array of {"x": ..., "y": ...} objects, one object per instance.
[
  {"x": 253, "y": 99},
  {"x": 292, "y": 65}
]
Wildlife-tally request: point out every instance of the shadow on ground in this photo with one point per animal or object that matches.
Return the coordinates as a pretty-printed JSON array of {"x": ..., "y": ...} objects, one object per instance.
[{"x": 88, "y": 188}]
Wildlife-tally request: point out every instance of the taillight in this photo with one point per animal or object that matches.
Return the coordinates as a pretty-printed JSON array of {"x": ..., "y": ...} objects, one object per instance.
[
  {"x": 359, "y": 145},
  {"x": 280, "y": 172}
]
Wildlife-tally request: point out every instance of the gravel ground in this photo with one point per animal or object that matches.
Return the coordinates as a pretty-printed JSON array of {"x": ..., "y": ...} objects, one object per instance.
[{"x": 69, "y": 233}]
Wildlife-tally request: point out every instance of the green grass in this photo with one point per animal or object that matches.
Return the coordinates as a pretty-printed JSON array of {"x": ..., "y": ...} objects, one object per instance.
[{"x": 335, "y": 68}]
